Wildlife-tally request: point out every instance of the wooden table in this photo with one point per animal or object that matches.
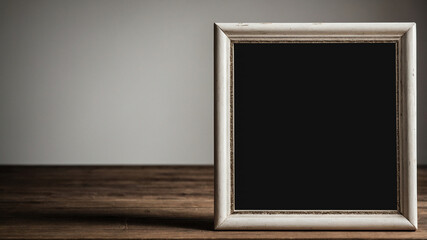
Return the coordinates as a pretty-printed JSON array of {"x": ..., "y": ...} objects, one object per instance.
[{"x": 136, "y": 202}]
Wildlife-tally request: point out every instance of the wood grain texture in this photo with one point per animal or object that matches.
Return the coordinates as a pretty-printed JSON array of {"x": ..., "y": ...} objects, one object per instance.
[{"x": 137, "y": 202}]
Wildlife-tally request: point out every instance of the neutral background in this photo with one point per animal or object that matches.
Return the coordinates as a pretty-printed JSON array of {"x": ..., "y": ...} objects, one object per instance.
[{"x": 131, "y": 82}]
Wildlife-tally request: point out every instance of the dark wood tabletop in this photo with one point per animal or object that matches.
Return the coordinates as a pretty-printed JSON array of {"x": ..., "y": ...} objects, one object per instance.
[{"x": 136, "y": 202}]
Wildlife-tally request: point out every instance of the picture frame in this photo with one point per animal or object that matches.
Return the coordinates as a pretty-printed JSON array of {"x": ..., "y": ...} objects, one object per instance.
[{"x": 227, "y": 217}]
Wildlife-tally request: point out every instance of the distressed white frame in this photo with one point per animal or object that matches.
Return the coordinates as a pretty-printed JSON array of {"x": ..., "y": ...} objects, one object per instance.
[{"x": 405, "y": 218}]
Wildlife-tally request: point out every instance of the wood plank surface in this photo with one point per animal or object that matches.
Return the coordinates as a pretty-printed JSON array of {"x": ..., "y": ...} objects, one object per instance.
[{"x": 136, "y": 202}]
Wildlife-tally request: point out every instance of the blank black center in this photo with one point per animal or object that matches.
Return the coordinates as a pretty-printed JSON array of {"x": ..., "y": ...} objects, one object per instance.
[{"x": 315, "y": 126}]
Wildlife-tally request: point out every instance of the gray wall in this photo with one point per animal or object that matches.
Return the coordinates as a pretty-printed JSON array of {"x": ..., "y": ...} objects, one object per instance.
[{"x": 131, "y": 82}]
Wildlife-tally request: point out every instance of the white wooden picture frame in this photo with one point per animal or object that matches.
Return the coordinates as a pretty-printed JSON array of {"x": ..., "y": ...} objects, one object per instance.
[{"x": 226, "y": 218}]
